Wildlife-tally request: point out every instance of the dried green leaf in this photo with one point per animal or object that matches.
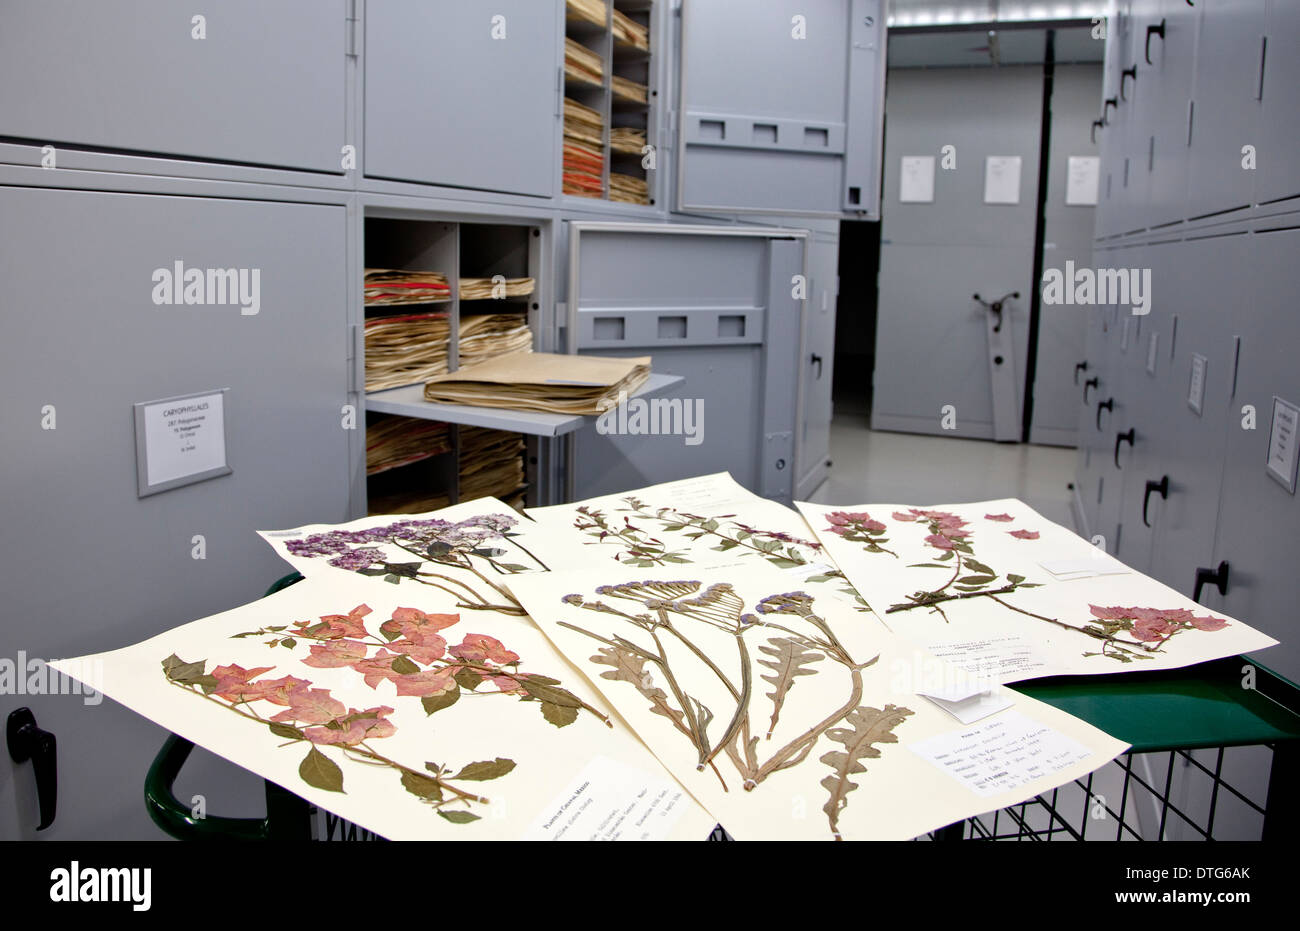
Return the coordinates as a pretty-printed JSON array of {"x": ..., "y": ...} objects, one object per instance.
[
  {"x": 434, "y": 703},
  {"x": 404, "y": 665},
  {"x": 319, "y": 771},
  {"x": 423, "y": 786},
  {"x": 485, "y": 770},
  {"x": 285, "y": 730},
  {"x": 467, "y": 678},
  {"x": 458, "y": 817}
]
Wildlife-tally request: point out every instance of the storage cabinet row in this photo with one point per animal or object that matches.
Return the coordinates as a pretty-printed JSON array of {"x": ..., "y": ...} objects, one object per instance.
[
  {"x": 1199, "y": 115},
  {"x": 707, "y": 105}
]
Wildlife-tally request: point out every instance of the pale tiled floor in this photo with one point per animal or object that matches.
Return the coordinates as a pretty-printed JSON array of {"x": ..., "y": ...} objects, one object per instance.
[{"x": 901, "y": 468}]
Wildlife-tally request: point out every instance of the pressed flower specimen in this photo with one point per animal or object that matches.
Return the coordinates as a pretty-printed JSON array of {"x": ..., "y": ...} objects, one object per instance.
[
  {"x": 859, "y": 527},
  {"x": 472, "y": 545},
  {"x": 645, "y": 618},
  {"x": 637, "y": 534},
  {"x": 1125, "y": 634},
  {"x": 409, "y": 651}
]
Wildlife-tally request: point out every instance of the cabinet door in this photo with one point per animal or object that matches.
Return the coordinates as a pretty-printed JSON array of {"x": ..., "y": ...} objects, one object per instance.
[
  {"x": 1227, "y": 108},
  {"x": 241, "y": 80},
  {"x": 816, "y": 366},
  {"x": 1170, "y": 114},
  {"x": 1210, "y": 275},
  {"x": 1259, "y": 520},
  {"x": 99, "y": 567},
  {"x": 715, "y": 305},
  {"x": 463, "y": 94},
  {"x": 781, "y": 106},
  {"x": 1279, "y": 169}
]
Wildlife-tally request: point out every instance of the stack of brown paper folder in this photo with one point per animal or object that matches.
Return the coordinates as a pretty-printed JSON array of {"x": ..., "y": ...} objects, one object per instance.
[
  {"x": 537, "y": 381},
  {"x": 480, "y": 289},
  {"x": 406, "y": 349},
  {"x": 626, "y": 89},
  {"x": 399, "y": 441},
  {"x": 630, "y": 32},
  {"x": 405, "y": 502},
  {"x": 590, "y": 11},
  {"x": 386, "y": 286},
  {"x": 627, "y": 139},
  {"x": 582, "y": 64},
  {"x": 627, "y": 189},
  {"x": 491, "y": 463},
  {"x": 486, "y": 336}
]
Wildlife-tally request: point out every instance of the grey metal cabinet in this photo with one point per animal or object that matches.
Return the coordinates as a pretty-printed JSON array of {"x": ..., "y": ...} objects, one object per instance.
[
  {"x": 780, "y": 106},
  {"x": 815, "y": 367},
  {"x": 726, "y": 319},
  {"x": 1259, "y": 519},
  {"x": 90, "y": 566},
  {"x": 1210, "y": 273},
  {"x": 1279, "y": 169},
  {"x": 1226, "y": 106},
  {"x": 1167, "y": 87},
  {"x": 464, "y": 94},
  {"x": 239, "y": 81}
]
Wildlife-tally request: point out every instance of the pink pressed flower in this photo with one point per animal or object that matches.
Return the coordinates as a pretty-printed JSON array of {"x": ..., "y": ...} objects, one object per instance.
[
  {"x": 477, "y": 648},
  {"x": 949, "y": 522},
  {"x": 346, "y": 625},
  {"x": 899, "y": 515},
  {"x": 413, "y": 623},
  {"x": 1024, "y": 534},
  {"x": 1003, "y": 518},
  {"x": 378, "y": 668},
  {"x": 939, "y": 542},
  {"x": 839, "y": 529},
  {"x": 1152, "y": 629},
  {"x": 837, "y": 518},
  {"x": 233, "y": 684},
  {"x": 954, "y": 534},
  {"x": 428, "y": 682},
  {"x": 1208, "y": 622},
  {"x": 276, "y": 691},
  {"x": 873, "y": 526},
  {"x": 1116, "y": 613},
  {"x": 358, "y": 726},
  {"x": 426, "y": 652},
  {"x": 311, "y": 706},
  {"x": 335, "y": 653}
]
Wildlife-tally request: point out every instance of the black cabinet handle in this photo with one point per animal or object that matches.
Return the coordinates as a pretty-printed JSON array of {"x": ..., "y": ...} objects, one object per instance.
[
  {"x": 1092, "y": 133},
  {"x": 1080, "y": 367},
  {"x": 1125, "y": 437},
  {"x": 1090, "y": 383},
  {"x": 1154, "y": 31},
  {"x": 817, "y": 361},
  {"x": 1161, "y": 486},
  {"x": 1124, "y": 76},
  {"x": 996, "y": 307},
  {"x": 26, "y": 742},
  {"x": 1216, "y": 577},
  {"x": 1110, "y": 102},
  {"x": 1106, "y": 405}
]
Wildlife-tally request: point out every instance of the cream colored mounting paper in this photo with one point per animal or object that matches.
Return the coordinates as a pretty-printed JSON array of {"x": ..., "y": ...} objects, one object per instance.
[
  {"x": 542, "y": 381},
  {"x": 404, "y": 715},
  {"x": 709, "y": 520},
  {"x": 786, "y": 715},
  {"x": 468, "y": 551},
  {"x": 968, "y": 582}
]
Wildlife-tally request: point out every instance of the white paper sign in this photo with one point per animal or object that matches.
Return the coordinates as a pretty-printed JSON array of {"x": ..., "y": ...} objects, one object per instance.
[
  {"x": 1196, "y": 386},
  {"x": 916, "y": 179},
  {"x": 1007, "y": 658},
  {"x": 1002, "y": 179},
  {"x": 1282, "y": 443},
  {"x": 180, "y": 440},
  {"x": 610, "y": 800},
  {"x": 1083, "y": 176},
  {"x": 1001, "y": 754}
]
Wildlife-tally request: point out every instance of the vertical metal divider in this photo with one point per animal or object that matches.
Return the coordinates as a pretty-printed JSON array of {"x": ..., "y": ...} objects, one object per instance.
[
  {"x": 453, "y": 355},
  {"x": 608, "y": 96},
  {"x": 1040, "y": 230}
]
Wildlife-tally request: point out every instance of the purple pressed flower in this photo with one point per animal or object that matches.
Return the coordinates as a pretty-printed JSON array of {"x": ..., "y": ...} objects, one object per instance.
[{"x": 358, "y": 559}]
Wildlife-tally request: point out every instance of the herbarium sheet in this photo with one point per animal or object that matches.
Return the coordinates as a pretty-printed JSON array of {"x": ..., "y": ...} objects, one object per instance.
[
  {"x": 403, "y": 712},
  {"x": 1005, "y": 593},
  {"x": 789, "y": 715}
]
